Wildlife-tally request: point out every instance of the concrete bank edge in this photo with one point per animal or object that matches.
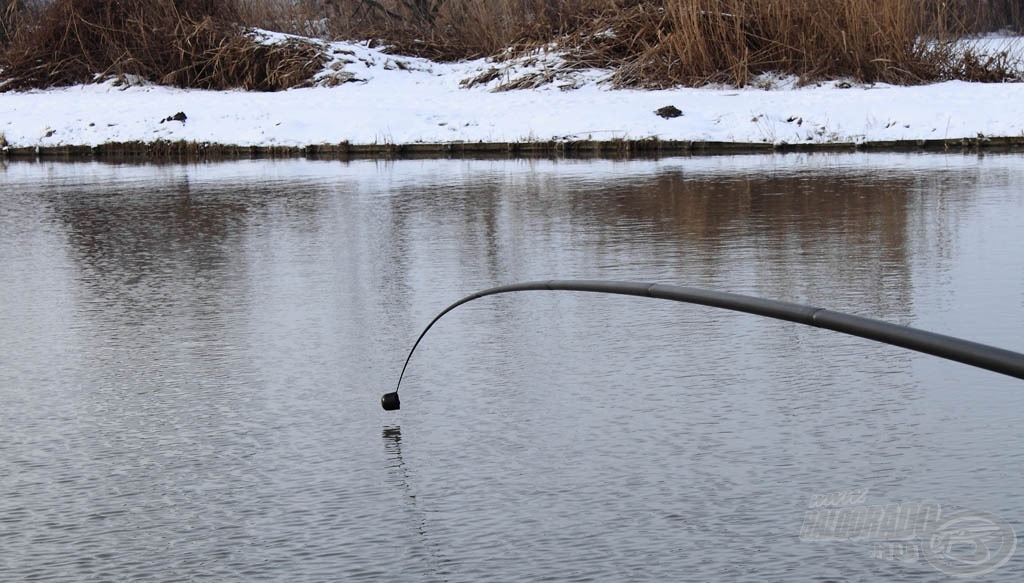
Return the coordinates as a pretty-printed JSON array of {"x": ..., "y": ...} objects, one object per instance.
[{"x": 163, "y": 150}]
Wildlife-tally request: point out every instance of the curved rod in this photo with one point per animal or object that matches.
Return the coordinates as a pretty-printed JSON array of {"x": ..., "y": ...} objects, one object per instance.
[{"x": 964, "y": 351}]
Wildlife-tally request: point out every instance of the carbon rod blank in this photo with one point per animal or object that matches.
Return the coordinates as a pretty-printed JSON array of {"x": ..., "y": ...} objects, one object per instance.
[{"x": 964, "y": 351}]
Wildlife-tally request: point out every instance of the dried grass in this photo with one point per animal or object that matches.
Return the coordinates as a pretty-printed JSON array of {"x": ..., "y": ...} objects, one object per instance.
[
  {"x": 437, "y": 29},
  {"x": 458, "y": 29},
  {"x": 16, "y": 16},
  {"x": 648, "y": 43},
  {"x": 185, "y": 43},
  {"x": 659, "y": 43},
  {"x": 697, "y": 42}
]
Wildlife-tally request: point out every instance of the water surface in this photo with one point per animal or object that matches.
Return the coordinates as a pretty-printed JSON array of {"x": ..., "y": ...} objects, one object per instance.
[{"x": 191, "y": 358}]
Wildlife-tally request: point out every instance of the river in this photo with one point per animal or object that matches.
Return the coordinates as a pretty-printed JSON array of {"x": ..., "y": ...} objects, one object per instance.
[{"x": 192, "y": 356}]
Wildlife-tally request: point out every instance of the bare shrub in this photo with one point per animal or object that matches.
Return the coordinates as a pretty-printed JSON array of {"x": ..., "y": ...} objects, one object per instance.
[
  {"x": 438, "y": 29},
  {"x": 970, "y": 64},
  {"x": 659, "y": 43},
  {"x": 648, "y": 43},
  {"x": 977, "y": 16},
  {"x": 185, "y": 43},
  {"x": 17, "y": 17},
  {"x": 465, "y": 29}
]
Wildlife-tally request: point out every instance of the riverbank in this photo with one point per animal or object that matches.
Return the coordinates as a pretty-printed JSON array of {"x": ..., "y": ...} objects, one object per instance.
[
  {"x": 370, "y": 103},
  {"x": 577, "y": 149}
]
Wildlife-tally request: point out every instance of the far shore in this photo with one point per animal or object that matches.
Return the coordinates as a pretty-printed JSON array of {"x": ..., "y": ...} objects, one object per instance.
[{"x": 387, "y": 105}]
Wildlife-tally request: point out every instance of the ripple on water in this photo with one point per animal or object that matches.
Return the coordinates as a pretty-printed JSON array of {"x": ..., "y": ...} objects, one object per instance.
[{"x": 191, "y": 357}]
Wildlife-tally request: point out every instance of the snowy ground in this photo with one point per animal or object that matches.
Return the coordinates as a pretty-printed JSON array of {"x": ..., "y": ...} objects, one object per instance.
[{"x": 386, "y": 99}]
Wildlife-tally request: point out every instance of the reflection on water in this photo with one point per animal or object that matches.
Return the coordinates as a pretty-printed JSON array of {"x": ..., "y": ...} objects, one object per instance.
[{"x": 191, "y": 359}]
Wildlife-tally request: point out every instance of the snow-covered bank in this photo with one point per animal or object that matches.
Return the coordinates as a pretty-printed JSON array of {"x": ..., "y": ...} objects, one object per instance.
[{"x": 384, "y": 99}]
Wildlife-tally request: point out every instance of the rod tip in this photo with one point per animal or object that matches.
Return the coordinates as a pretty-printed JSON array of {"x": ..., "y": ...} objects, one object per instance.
[{"x": 390, "y": 401}]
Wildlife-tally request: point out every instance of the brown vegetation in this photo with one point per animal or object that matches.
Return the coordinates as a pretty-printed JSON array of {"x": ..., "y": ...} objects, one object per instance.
[
  {"x": 185, "y": 43},
  {"x": 658, "y": 43},
  {"x": 15, "y": 16},
  {"x": 977, "y": 16},
  {"x": 648, "y": 43},
  {"x": 695, "y": 42},
  {"x": 437, "y": 29}
]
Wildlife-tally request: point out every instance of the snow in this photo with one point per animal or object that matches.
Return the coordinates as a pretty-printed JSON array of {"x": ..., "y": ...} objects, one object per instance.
[{"x": 365, "y": 96}]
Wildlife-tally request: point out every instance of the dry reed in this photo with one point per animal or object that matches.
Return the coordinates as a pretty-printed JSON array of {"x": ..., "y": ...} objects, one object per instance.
[
  {"x": 696, "y": 42},
  {"x": 648, "y": 43},
  {"x": 15, "y": 17},
  {"x": 185, "y": 43},
  {"x": 659, "y": 43},
  {"x": 438, "y": 29}
]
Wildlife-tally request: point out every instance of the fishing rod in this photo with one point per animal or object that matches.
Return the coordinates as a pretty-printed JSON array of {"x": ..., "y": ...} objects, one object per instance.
[{"x": 972, "y": 353}]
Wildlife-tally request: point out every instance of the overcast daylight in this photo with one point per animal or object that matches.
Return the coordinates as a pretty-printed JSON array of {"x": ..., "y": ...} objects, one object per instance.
[{"x": 561, "y": 290}]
